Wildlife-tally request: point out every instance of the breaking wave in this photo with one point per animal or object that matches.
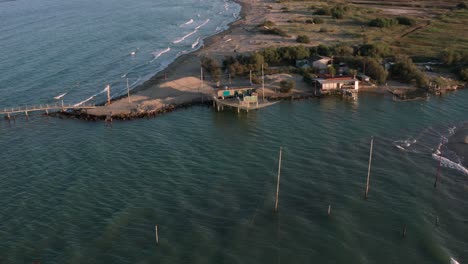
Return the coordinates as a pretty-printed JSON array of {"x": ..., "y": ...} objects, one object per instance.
[
  {"x": 158, "y": 53},
  {"x": 184, "y": 37}
]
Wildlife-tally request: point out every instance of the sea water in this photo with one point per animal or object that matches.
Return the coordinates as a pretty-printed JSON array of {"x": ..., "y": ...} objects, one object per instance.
[
  {"x": 51, "y": 47},
  {"x": 79, "y": 192}
]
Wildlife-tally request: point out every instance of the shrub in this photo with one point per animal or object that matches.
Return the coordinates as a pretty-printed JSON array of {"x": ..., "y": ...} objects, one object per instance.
[
  {"x": 323, "y": 50},
  {"x": 462, "y": 6},
  {"x": 405, "y": 70},
  {"x": 464, "y": 74},
  {"x": 275, "y": 31},
  {"x": 318, "y": 20},
  {"x": 376, "y": 71},
  {"x": 267, "y": 23},
  {"x": 382, "y": 22},
  {"x": 212, "y": 66},
  {"x": 309, "y": 21},
  {"x": 303, "y": 39},
  {"x": 337, "y": 12},
  {"x": 324, "y": 11},
  {"x": 286, "y": 86},
  {"x": 406, "y": 21},
  {"x": 323, "y": 30}
]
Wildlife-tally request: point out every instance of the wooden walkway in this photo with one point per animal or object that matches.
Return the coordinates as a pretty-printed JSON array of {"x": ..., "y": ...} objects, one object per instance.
[{"x": 42, "y": 108}]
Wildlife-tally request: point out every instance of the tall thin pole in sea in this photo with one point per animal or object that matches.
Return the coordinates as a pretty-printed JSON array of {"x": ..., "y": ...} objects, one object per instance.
[
  {"x": 368, "y": 170},
  {"x": 278, "y": 180}
]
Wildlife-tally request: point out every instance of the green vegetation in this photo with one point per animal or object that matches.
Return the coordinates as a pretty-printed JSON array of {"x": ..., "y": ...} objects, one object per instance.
[
  {"x": 406, "y": 21},
  {"x": 318, "y": 20},
  {"x": 275, "y": 31},
  {"x": 463, "y": 73},
  {"x": 212, "y": 66},
  {"x": 406, "y": 71},
  {"x": 462, "y": 6},
  {"x": 267, "y": 23},
  {"x": 287, "y": 86},
  {"x": 303, "y": 39},
  {"x": 383, "y": 22}
]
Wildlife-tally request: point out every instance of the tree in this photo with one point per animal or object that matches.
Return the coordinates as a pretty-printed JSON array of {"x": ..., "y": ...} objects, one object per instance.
[
  {"x": 405, "y": 70},
  {"x": 464, "y": 74},
  {"x": 323, "y": 50},
  {"x": 331, "y": 70},
  {"x": 376, "y": 71},
  {"x": 462, "y": 6},
  {"x": 303, "y": 39},
  {"x": 286, "y": 86}
]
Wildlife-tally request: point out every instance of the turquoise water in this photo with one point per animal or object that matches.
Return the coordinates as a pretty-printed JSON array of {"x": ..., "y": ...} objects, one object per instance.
[{"x": 80, "y": 192}]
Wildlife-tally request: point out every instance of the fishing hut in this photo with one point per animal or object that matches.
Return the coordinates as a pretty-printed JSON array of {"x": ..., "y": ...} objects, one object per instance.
[{"x": 241, "y": 98}]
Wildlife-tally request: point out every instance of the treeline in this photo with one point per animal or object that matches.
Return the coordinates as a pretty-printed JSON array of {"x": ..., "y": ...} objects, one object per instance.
[{"x": 377, "y": 61}]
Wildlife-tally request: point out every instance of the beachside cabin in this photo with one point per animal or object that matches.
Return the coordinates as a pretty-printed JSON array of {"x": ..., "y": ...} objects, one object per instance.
[
  {"x": 326, "y": 85},
  {"x": 240, "y": 92}
]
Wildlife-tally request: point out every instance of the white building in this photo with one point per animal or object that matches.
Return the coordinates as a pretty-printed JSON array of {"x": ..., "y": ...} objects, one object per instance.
[{"x": 336, "y": 83}]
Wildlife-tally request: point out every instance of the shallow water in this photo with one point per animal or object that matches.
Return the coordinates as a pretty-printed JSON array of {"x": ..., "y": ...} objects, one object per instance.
[{"x": 80, "y": 192}]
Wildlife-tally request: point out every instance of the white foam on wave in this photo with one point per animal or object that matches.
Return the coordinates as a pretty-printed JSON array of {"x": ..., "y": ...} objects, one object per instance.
[
  {"x": 158, "y": 53},
  {"x": 184, "y": 37},
  {"x": 448, "y": 163},
  {"x": 59, "y": 96},
  {"x": 202, "y": 24},
  {"x": 404, "y": 144},
  {"x": 188, "y": 22},
  {"x": 195, "y": 44},
  {"x": 91, "y": 97}
]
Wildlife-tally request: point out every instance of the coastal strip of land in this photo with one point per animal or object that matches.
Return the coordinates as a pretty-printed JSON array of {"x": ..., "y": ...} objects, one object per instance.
[{"x": 179, "y": 85}]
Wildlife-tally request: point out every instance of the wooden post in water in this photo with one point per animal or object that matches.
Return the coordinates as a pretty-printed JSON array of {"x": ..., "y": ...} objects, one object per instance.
[
  {"x": 329, "y": 209},
  {"x": 278, "y": 180},
  {"x": 404, "y": 231},
  {"x": 440, "y": 164},
  {"x": 368, "y": 170},
  {"x": 157, "y": 237}
]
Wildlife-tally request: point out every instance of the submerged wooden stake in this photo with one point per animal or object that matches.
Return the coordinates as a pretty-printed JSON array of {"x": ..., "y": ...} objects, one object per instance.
[
  {"x": 329, "y": 209},
  {"x": 278, "y": 180},
  {"x": 368, "y": 170},
  {"x": 157, "y": 237},
  {"x": 404, "y": 231},
  {"x": 440, "y": 164}
]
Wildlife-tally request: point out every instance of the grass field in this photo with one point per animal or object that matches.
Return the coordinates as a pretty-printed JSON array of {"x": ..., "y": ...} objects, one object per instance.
[{"x": 439, "y": 25}]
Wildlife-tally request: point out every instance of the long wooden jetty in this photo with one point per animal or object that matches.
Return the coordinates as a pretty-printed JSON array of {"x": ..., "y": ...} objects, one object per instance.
[{"x": 8, "y": 112}]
